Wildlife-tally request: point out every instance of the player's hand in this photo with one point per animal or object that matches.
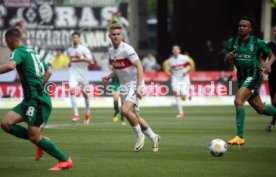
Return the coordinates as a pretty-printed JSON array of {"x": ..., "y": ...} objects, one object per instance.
[
  {"x": 230, "y": 55},
  {"x": 105, "y": 79},
  {"x": 77, "y": 55},
  {"x": 139, "y": 92},
  {"x": 266, "y": 68},
  {"x": 185, "y": 72}
]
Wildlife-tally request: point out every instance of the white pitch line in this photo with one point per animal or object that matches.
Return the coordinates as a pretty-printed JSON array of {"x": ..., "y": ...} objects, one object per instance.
[{"x": 75, "y": 124}]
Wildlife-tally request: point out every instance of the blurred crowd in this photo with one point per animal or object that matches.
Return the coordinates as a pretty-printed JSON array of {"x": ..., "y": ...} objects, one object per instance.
[{"x": 211, "y": 60}]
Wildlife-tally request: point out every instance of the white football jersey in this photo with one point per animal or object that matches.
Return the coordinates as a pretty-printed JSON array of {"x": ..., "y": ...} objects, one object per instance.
[
  {"x": 78, "y": 67},
  {"x": 177, "y": 66},
  {"x": 122, "y": 60}
]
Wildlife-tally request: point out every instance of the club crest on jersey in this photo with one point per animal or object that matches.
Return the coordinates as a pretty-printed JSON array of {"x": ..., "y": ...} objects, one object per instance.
[{"x": 251, "y": 47}]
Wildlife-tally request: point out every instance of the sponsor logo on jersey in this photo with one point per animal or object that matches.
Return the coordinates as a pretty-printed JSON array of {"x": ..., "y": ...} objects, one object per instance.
[
  {"x": 243, "y": 56},
  {"x": 121, "y": 63}
]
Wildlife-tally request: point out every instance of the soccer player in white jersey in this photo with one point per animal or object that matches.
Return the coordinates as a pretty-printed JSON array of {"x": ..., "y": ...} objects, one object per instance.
[
  {"x": 80, "y": 58},
  {"x": 179, "y": 68},
  {"x": 128, "y": 68}
]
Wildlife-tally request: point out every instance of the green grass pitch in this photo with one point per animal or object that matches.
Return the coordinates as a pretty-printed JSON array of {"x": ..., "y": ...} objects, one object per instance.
[{"x": 105, "y": 148}]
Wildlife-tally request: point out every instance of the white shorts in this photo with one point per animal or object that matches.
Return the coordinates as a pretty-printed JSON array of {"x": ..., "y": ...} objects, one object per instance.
[
  {"x": 75, "y": 81},
  {"x": 129, "y": 94},
  {"x": 181, "y": 86}
]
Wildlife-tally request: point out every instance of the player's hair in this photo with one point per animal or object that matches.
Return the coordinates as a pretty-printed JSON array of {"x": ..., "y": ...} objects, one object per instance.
[
  {"x": 76, "y": 33},
  {"x": 115, "y": 26},
  {"x": 251, "y": 20},
  {"x": 176, "y": 45},
  {"x": 13, "y": 33}
]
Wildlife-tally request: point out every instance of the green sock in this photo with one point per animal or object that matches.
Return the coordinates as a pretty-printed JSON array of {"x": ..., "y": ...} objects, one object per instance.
[
  {"x": 19, "y": 131},
  {"x": 240, "y": 116},
  {"x": 270, "y": 110},
  {"x": 52, "y": 149},
  {"x": 122, "y": 116}
]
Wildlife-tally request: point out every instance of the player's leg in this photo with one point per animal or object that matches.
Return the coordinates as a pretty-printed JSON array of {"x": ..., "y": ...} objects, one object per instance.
[
  {"x": 127, "y": 109},
  {"x": 72, "y": 88},
  {"x": 116, "y": 96},
  {"x": 123, "y": 122},
  {"x": 148, "y": 131},
  {"x": 272, "y": 90},
  {"x": 242, "y": 95},
  {"x": 85, "y": 92},
  {"x": 129, "y": 101},
  {"x": 36, "y": 117},
  {"x": 273, "y": 120},
  {"x": 176, "y": 90},
  {"x": 46, "y": 144},
  {"x": 256, "y": 102},
  {"x": 184, "y": 88},
  {"x": 9, "y": 125}
]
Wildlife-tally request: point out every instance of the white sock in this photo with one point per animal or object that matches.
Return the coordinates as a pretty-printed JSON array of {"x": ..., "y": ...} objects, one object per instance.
[
  {"x": 86, "y": 100},
  {"x": 149, "y": 133},
  {"x": 138, "y": 131},
  {"x": 74, "y": 104},
  {"x": 179, "y": 105}
]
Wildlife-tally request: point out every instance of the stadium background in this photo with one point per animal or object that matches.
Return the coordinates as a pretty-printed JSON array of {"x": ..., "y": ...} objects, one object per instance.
[{"x": 154, "y": 26}]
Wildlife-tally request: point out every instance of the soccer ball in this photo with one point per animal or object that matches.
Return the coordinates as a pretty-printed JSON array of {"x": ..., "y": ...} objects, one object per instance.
[{"x": 217, "y": 147}]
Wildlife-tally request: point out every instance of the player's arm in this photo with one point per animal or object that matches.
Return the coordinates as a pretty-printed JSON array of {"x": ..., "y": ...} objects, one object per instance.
[
  {"x": 266, "y": 63},
  {"x": 266, "y": 52},
  {"x": 6, "y": 67},
  {"x": 167, "y": 67},
  {"x": 47, "y": 76},
  {"x": 139, "y": 67},
  {"x": 112, "y": 74},
  {"x": 229, "y": 52},
  {"x": 188, "y": 68},
  {"x": 192, "y": 64},
  {"x": 88, "y": 60},
  {"x": 88, "y": 57},
  {"x": 105, "y": 79}
]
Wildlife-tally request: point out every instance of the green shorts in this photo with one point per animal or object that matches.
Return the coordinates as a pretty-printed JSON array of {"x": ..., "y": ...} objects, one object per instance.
[
  {"x": 252, "y": 82},
  {"x": 35, "y": 111},
  {"x": 115, "y": 84}
]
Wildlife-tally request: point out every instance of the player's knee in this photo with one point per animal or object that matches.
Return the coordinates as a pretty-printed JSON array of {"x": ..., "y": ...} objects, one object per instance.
[
  {"x": 85, "y": 95},
  {"x": 72, "y": 91},
  {"x": 125, "y": 111},
  {"x": 34, "y": 138},
  {"x": 238, "y": 102},
  {"x": 261, "y": 110},
  {"x": 5, "y": 125}
]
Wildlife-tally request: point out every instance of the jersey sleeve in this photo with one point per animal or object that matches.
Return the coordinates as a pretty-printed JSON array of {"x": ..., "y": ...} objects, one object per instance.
[
  {"x": 16, "y": 57},
  {"x": 264, "y": 48},
  {"x": 87, "y": 53},
  {"x": 228, "y": 46},
  {"x": 132, "y": 55}
]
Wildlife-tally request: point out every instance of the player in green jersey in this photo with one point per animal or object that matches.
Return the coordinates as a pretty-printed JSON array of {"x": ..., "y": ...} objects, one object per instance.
[
  {"x": 245, "y": 51},
  {"x": 36, "y": 105},
  {"x": 116, "y": 96}
]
